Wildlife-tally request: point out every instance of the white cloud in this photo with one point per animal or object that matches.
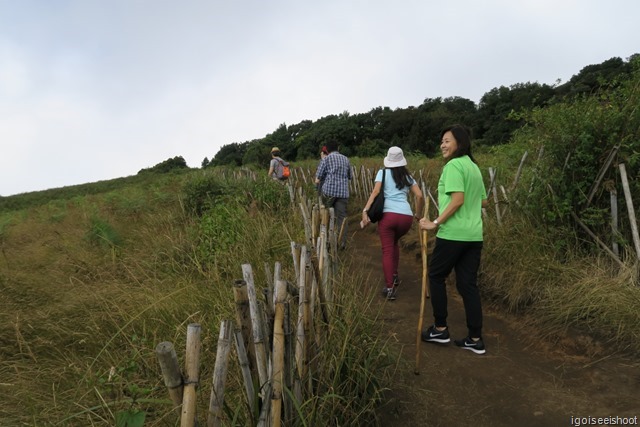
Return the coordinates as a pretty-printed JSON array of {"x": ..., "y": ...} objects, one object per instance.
[{"x": 97, "y": 90}]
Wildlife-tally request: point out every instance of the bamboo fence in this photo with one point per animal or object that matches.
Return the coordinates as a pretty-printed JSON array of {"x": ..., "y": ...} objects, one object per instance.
[{"x": 278, "y": 351}]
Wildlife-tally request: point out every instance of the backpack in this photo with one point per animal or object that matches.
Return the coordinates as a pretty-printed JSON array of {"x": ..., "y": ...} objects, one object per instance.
[{"x": 283, "y": 172}]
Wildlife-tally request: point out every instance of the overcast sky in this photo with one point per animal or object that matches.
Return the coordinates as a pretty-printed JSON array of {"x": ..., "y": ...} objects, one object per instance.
[{"x": 99, "y": 89}]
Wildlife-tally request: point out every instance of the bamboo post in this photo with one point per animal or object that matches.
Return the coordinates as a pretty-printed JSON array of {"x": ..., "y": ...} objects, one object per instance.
[
  {"x": 307, "y": 225},
  {"x": 320, "y": 247},
  {"x": 596, "y": 239},
  {"x": 245, "y": 368},
  {"x": 266, "y": 334},
  {"x": 216, "y": 401},
  {"x": 192, "y": 371},
  {"x": 243, "y": 320},
  {"x": 519, "y": 171},
  {"x": 288, "y": 360},
  {"x": 630, "y": 209},
  {"x": 506, "y": 199},
  {"x": 601, "y": 174},
  {"x": 170, "y": 368},
  {"x": 278, "y": 354},
  {"x": 333, "y": 235},
  {"x": 327, "y": 278},
  {"x": 315, "y": 299},
  {"x": 277, "y": 273},
  {"x": 322, "y": 299},
  {"x": 425, "y": 286},
  {"x": 315, "y": 222},
  {"x": 268, "y": 290},
  {"x": 256, "y": 325},
  {"x": 300, "y": 335},
  {"x": 493, "y": 175},
  {"x": 291, "y": 193},
  {"x": 306, "y": 324},
  {"x": 614, "y": 221},
  {"x": 295, "y": 254},
  {"x": 263, "y": 419}
]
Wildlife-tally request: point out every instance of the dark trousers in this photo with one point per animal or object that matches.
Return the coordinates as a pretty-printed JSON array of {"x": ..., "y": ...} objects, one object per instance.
[
  {"x": 339, "y": 206},
  {"x": 464, "y": 257},
  {"x": 391, "y": 228}
]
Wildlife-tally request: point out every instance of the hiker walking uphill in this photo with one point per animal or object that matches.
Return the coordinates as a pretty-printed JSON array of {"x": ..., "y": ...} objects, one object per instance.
[
  {"x": 278, "y": 168},
  {"x": 394, "y": 182},
  {"x": 461, "y": 197},
  {"x": 334, "y": 172}
]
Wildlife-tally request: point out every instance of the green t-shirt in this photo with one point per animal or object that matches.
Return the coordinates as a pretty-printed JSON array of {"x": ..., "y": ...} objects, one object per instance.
[{"x": 461, "y": 174}]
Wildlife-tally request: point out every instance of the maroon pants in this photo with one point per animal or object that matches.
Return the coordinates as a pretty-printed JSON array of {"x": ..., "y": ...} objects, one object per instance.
[{"x": 391, "y": 228}]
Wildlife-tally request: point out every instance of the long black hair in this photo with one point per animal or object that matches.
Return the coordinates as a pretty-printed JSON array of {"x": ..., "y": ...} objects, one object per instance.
[
  {"x": 401, "y": 177},
  {"x": 462, "y": 134}
]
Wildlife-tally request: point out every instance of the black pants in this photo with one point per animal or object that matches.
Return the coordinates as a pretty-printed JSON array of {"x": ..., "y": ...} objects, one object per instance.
[
  {"x": 339, "y": 206},
  {"x": 465, "y": 258}
]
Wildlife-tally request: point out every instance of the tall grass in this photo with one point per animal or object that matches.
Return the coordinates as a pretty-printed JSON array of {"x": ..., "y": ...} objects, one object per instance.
[
  {"x": 80, "y": 319},
  {"x": 557, "y": 278}
]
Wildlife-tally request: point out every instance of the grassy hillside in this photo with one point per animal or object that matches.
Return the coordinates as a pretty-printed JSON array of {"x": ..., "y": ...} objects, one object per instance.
[{"x": 91, "y": 284}]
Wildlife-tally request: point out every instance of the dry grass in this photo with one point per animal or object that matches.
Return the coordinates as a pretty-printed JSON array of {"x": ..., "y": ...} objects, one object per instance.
[
  {"x": 523, "y": 272},
  {"x": 80, "y": 317}
]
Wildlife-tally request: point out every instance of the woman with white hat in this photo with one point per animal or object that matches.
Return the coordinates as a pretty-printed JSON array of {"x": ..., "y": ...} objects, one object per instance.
[{"x": 397, "y": 215}]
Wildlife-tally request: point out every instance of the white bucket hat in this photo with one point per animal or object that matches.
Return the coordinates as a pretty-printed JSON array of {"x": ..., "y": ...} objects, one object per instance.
[{"x": 395, "y": 158}]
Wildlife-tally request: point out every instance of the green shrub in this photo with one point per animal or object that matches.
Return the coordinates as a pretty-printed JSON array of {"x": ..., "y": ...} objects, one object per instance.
[{"x": 103, "y": 234}]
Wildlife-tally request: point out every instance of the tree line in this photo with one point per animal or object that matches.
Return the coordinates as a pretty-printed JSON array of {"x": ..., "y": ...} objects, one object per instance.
[{"x": 417, "y": 129}]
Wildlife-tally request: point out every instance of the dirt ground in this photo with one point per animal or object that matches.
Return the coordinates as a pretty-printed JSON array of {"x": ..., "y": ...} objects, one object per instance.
[{"x": 520, "y": 381}]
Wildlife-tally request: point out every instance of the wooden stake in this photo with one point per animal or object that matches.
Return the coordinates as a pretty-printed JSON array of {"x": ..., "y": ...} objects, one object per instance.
[
  {"x": 216, "y": 401},
  {"x": 632, "y": 213},
  {"x": 245, "y": 368},
  {"x": 301, "y": 339},
  {"x": 170, "y": 372},
  {"x": 256, "y": 325},
  {"x": 278, "y": 354},
  {"x": 601, "y": 174},
  {"x": 597, "y": 240},
  {"x": 493, "y": 175},
  {"x": 515, "y": 180},
  {"x": 243, "y": 321},
  {"x": 191, "y": 371},
  {"x": 425, "y": 285},
  {"x": 614, "y": 222}
]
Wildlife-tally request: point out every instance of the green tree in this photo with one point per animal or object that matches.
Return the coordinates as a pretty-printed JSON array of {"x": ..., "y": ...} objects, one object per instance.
[
  {"x": 497, "y": 116},
  {"x": 230, "y": 154}
]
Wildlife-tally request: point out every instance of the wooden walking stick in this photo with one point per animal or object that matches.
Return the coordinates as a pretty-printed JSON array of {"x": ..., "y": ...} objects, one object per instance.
[{"x": 425, "y": 288}]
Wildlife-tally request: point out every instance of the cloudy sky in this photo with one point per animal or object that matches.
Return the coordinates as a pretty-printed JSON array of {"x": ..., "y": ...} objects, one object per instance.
[{"x": 99, "y": 89}]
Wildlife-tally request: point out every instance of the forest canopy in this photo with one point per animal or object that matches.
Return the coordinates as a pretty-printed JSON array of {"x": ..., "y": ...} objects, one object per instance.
[{"x": 495, "y": 118}]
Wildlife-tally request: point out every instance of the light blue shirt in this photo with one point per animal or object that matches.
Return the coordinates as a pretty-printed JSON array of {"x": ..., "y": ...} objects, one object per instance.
[{"x": 395, "y": 200}]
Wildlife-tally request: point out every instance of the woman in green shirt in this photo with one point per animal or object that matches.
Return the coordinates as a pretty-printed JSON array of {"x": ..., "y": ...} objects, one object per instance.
[{"x": 461, "y": 197}]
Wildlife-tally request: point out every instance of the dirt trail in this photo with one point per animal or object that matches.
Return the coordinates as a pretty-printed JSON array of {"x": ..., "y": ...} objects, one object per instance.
[{"x": 520, "y": 381}]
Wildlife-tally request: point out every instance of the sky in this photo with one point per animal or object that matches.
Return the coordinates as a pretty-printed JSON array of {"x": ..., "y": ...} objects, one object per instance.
[{"x": 98, "y": 89}]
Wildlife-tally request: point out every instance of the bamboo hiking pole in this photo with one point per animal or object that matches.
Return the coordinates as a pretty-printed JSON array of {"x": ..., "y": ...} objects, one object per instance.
[{"x": 425, "y": 289}]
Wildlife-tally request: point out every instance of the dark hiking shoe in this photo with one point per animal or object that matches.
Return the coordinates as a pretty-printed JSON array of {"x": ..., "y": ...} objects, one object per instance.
[
  {"x": 389, "y": 293},
  {"x": 468, "y": 344},
  {"x": 434, "y": 335},
  {"x": 396, "y": 281}
]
